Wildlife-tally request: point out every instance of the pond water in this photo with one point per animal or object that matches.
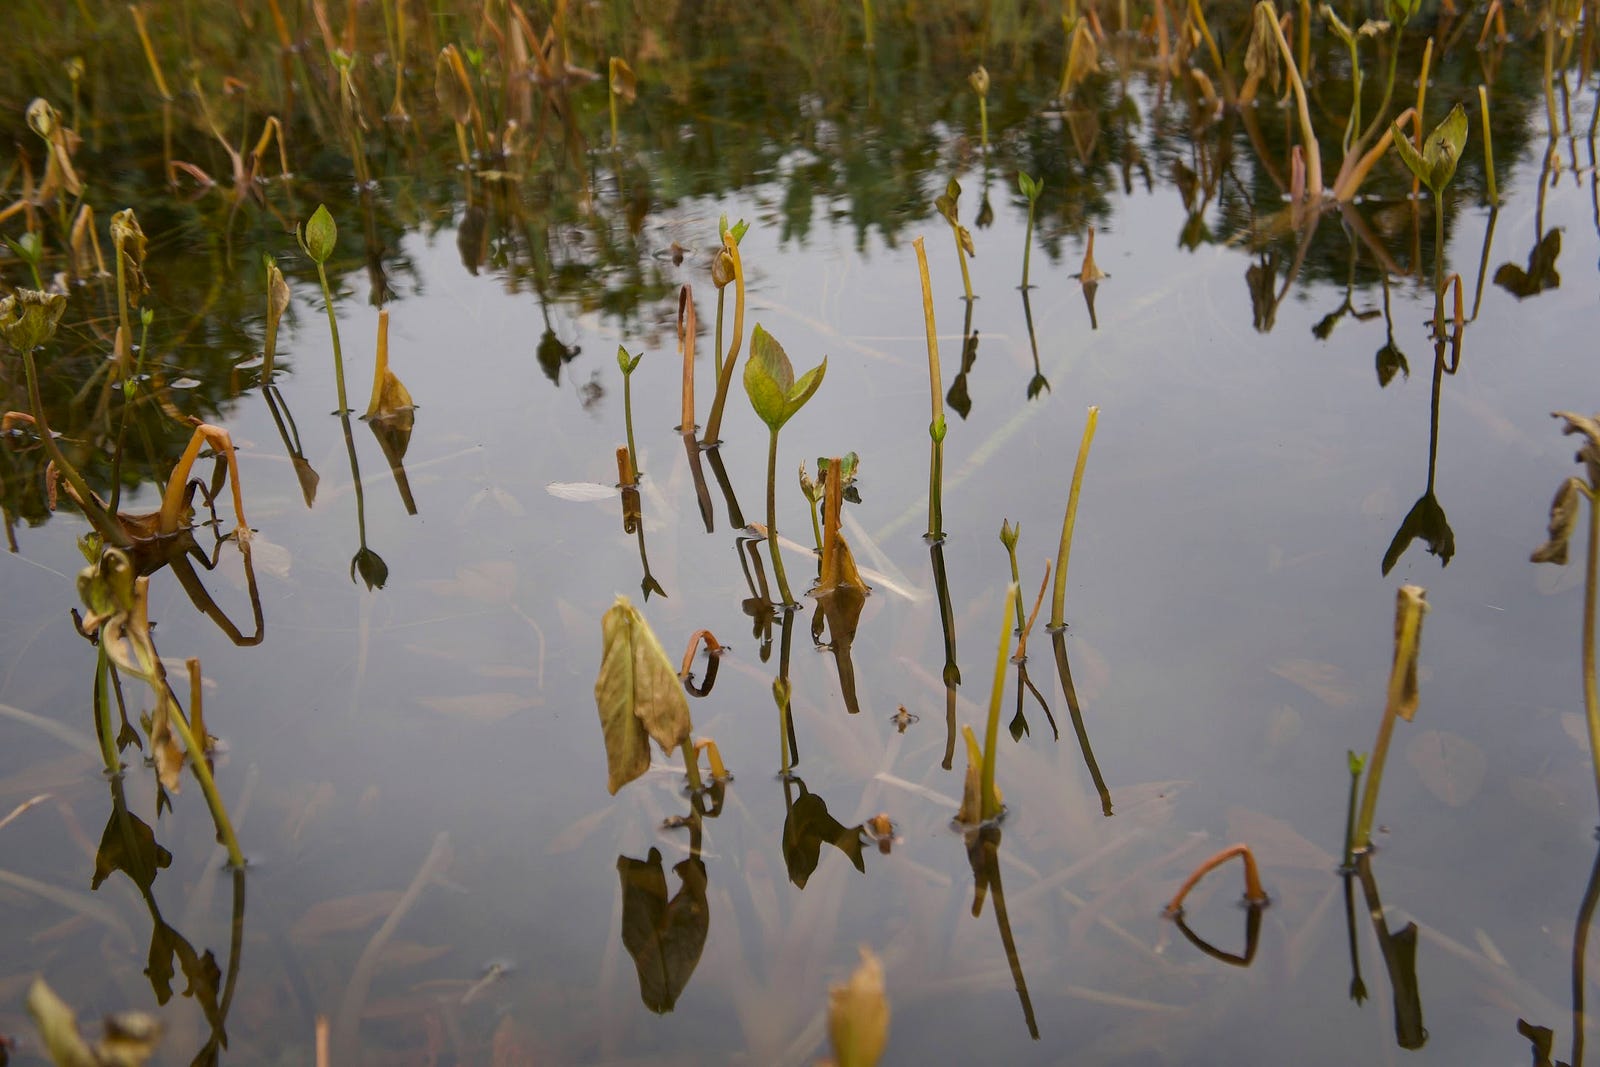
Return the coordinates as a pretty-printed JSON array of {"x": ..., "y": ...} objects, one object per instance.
[{"x": 411, "y": 755}]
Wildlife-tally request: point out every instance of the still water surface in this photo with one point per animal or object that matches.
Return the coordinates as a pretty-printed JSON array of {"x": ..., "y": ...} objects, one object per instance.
[{"x": 1230, "y": 633}]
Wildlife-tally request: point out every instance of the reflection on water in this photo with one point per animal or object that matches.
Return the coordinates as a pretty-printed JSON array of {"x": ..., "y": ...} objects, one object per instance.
[{"x": 418, "y": 785}]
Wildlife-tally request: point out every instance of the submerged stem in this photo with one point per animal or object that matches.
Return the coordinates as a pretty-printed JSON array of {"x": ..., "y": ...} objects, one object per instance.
[{"x": 333, "y": 328}]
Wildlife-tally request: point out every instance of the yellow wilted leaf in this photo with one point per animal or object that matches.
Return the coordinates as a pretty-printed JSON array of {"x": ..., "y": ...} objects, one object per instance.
[
  {"x": 858, "y": 1014},
  {"x": 623, "y": 82},
  {"x": 389, "y": 395},
  {"x": 638, "y": 695},
  {"x": 972, "y": 788}
]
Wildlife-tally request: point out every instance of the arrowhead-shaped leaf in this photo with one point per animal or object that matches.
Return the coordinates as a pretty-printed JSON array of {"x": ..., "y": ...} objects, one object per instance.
[
  {"x": 770, "y": 382},
  {"x": 1435, "y": 165}
]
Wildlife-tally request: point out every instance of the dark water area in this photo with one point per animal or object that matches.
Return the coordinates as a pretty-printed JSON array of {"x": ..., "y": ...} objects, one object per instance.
[{"x": 410, "y": 755}]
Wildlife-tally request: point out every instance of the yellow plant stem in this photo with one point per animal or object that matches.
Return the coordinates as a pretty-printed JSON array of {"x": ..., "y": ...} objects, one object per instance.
[
  {"x": 1591, "y": 689},
  {"x": 1308, "y": 135},
  {"x": 725, "y": 375},
  {"x": 1422, "y": 98},
  {"x": 691, "y": 764},
  {"x": 1405, "y": 651},
  {"x": 1058, "y": 596},
  {"x": 991, "y": 733},
  {"x": 1488, "y": 145},
  {"x": 936, "y": 392}
]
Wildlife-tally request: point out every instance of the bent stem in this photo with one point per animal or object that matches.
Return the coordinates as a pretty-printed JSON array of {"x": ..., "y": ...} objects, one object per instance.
[{"x": 1253, "y": 893}]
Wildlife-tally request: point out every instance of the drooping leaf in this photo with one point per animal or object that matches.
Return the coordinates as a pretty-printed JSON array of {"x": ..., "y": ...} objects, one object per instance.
[
  {"x": 971, "y": 811},
  {"x": 129, "y": 241},
  {"x": 28, "y": 318},
  {"x": 129, "y": 845},
  {"x": 1564, "y": 510},
  {"x": 1391, "y": 361},
  {"x": 622, "y": 81},
  {"x": 1262, "y": 58},
  {"x": 858, "y": 1015},
  {"x": 1426, "y": 520},
  {"x": 664, "y": 937},
  {"x": 638, "y": 694}
]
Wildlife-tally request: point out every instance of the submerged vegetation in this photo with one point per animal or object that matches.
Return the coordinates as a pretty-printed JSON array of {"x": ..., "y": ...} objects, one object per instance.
[{"x": 575, "y": 155}]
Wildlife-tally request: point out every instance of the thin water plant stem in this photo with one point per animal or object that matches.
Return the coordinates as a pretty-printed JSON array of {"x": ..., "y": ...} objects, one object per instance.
[
  {"x": 772, "y": 518},
  {"x": 317, "y": 240},
  {"x": 1253, "y": 892},
  {"x": 1058, "y": 596},
  {"x": 628, "y": 363},
  {"x": 1591, "y": 688},
  {"x": 1357, "y": 762},
  {"x": 130, "y": 389},
  {"x": 333, "y": 330},
  {"x": 1031, "y": 188},
  {"x": 730, "y": 244},
  {"x": 1308, "y": 137},
  {"x": 867, "y": 19},
  {"x": 208, "y": 784},
  {"x": 1410, "y": 604},
  {"x": 691, "y": 764},
  {"x": 990, "y": 803},
  {"x": 937, "y": 426},
  {"x": 102, "y": 711},
  {"x": 1488, "y": 145}
]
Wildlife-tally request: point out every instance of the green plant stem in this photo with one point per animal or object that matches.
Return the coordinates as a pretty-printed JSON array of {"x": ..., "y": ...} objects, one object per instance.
[
  {"x": 983, "y": 121},
  {"x": 122, "y": 417},
  {"x": 1388, "y": 93},
  {"x": 866, "y": 16},
  {"x": 691, "y": 763},
  {"x": 1027, "y": 243},
  {"x": 1350, "y": 811},
  {"x": 725, "y": 367},
  {"x": 989, "y": 803},
  {"x": 1591, "y": 689},
  {"x": 1308, "y": 135},
  {"x": 1016, "y": 579},
  {"x": 772, "y": 518},
  {"x": 208, "y": 784},
  {"x": 961, "y": 256},
  {"x": 102, "y": 520},
  {"x": 613, "y": 98},
  {"x": 102, "y": 712},
  {"x": 1438, "y": 263},
  {"x": 333, "y": 328},
  {"x": 936, "y": 392},
  {"x": 1058, "y": 595},
  {"x": 627, "y": 421}
]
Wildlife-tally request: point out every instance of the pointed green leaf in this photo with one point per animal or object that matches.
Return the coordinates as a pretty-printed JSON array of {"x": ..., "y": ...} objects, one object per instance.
[
  {"x": 768, "y": 378},
  {"x": 320, "y": 234},
  {"x": 627, "y": 362},
  {"x": 802, "y": 390},
  {"x": 1435, "y": 165}
]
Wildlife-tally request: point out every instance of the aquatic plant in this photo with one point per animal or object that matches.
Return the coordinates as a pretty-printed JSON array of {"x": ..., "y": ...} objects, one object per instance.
[
  {"x": 1254, "y": 895},
  {"x": 936, "y": 425},
  {"x": 624, "y": 86},
  {"x": 1031, "y": 188},
  {"x": 639, "y": 697},
  {"x": 1434, "y": 164},
  {"x": 946, "y": 204},
  {"x": 1564, "y": 511},
  {"x": 1400, "y": 702},
  {"x": 317, "y": 239},
  {"x": 776, "y": 395},
  {"x": 629, "y": 364},
  {"x": 726, "y": 267},
  {"x": 858, "y": 1015},
  {"x": 979, "y": 80}
]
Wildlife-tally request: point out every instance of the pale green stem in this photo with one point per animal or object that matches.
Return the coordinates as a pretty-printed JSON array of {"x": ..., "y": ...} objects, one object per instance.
[
  {"x": 990, "y": 805},
  {"x": 627, "y": 419},
  {"x": 333, "y": 328},
  {"x": 1058, "y": 596},
  {"x": 1027, "y": 244},
  {"x": 1405, "y": 652},
  {"x": 102, "y": 712},
  {"x": 691, "y": 763},
  {"x": 772, "y": 519}
]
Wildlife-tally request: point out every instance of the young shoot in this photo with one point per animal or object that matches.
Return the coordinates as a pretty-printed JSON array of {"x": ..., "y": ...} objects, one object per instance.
[
  {"x": 317, "y": 239},
  {"x": 776, "y": 395},
  {"x": 1434, "y": 164},
  {"x": 1031, "y": 188},
  {"x": 964, "y": 247}
]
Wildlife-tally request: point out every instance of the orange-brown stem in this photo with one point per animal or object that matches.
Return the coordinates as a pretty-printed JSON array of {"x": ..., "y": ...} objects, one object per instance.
[{"x": 1252, "y": 877}]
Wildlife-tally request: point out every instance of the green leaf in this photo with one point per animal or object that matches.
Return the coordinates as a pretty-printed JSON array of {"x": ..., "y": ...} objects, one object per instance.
[
  {"x": 1031, "y": 187},
  {"x": 1435, "y": 165},
  {"x": 627, "y": 362},
  {"x": 320, "y": 234},
  {"x": 1400, "y": 11},
  {"x": 737, "y": 229},
  {"x": 638, "y": 695},
  {"x": 769, "y": 380}
]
